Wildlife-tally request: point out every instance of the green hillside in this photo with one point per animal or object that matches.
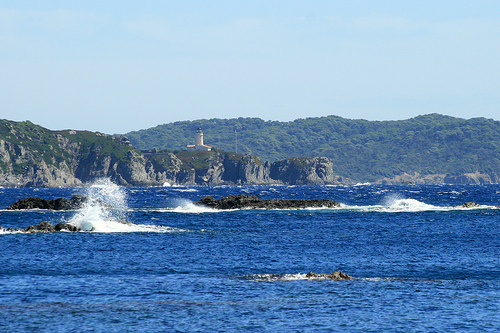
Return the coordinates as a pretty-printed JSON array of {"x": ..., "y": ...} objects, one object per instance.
[
  {"x": 28, "y": 144},
  {"x": 362, "y": 150}
]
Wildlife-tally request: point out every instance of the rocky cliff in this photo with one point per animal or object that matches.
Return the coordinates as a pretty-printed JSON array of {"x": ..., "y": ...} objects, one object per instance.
[
  {"x": 33, "y": 156},
  {"x": 476, "y": 178},
  {"x": 305, "y": 171},
  {"x": 223, "y": 168}
]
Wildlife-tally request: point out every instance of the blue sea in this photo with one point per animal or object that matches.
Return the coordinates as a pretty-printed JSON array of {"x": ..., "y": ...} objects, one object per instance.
[{"x": 156, "y": 262}]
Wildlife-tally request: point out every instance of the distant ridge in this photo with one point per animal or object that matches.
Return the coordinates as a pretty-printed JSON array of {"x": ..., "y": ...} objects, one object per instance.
[
  {"x": 398, "y": 151},
  {"x": 33, "y": 156},
  {"x": 430, "y": 149}
]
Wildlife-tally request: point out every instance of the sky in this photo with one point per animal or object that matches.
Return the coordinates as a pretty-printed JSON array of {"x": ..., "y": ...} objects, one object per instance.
[{"x": 119, "y": 66}]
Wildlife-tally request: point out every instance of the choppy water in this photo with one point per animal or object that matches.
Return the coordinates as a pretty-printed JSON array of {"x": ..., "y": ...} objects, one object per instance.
[{"x": 420, "y": 264}]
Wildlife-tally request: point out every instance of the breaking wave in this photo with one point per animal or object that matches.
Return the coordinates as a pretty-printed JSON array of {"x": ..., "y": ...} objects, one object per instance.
[
  {"x": 187, "y": 206},
  {"x": 391, "y": 204},
  {"x": 304, "y": 277},
  {"x": 280, "y": 277},
  {"x": 106, "y": 211},
  {"x": 396, "y": 204}
]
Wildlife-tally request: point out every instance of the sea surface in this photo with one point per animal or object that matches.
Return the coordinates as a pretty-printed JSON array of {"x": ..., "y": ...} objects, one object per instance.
[{"x": 156, "y": 262}]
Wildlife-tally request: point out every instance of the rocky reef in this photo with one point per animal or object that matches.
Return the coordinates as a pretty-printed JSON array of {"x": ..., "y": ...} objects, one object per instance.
[
  {"x": 469, "y": 204},
  {"x": 337, "y": 275},
  {"x": 242, "y": 201},
  {"x": 75, "y": 202},
  {"x": 45, "y": 227}
]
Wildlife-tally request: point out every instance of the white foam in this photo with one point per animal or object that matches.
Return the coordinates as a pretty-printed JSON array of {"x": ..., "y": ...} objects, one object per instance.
[
  {"x": 110, "y": 226},
  {"x": 187, "y": 206},
  {"x": 285, "y": 277},
  {"x": 410, "y": 205},
  {"x": 186, "y": 190},
  {"x": 106, "y": 211},
  {"x": 396, "y": 204},
  {"x": 277, "y": 277}
]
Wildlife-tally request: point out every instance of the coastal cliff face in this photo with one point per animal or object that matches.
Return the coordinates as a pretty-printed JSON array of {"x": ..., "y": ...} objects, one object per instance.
[
  {"x": 234, "y": 169},
  {"x": 20, "y": 167},
  {"x": 32, "y": 156},
  {"x": 476, "y": 178},
  {"x": 221, "y": 168},
  {"x": 305, "y": 171}
]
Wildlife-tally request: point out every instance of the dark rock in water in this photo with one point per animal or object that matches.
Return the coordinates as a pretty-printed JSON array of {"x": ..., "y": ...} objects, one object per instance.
[
  {"x": 43, "y": 226},
  {"x": 337, "y": 275},
  {"x": 66, "y": 227},
  {"x": 470, "y": 204},
  {"x": 76, "y": 202},
  {"x": 46, "y": 226},
  {"x": 251, "y": 201}
]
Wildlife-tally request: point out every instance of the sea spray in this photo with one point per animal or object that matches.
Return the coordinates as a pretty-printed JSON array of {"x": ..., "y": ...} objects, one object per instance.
[
  {"x": 106, "y": 206},
  {"x": 187, "y": 206},
  {"x": 106, "y": 211}
]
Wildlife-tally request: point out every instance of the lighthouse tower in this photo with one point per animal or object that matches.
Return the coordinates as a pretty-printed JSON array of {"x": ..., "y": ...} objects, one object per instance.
[{"x": 198, "y": 139}]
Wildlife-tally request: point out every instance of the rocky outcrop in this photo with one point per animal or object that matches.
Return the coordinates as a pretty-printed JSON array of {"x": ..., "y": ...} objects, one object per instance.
[
  {"x": 469, "y": 204},
  {"x": 305, "y": 171},
  {"x": 76, "y": 202},
  {"x": 476, "y": 178},
  {"x": 33, "y": 156},
  {"x": 472, "y": 178},
  {"x": 22, "y": 167},
  {"x": 252, "y": 201},
  {"x": 337, "y": 275},
  {"x": 45, "y": 227},
  {"x": 415, "y": 178},
  {"x": 233, "y": 169}
]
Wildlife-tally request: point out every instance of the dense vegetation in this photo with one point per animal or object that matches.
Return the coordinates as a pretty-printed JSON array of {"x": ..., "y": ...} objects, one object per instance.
[
  {"x": 31, "y": 143},
  {"x": 41, "y": 142},
  {"x": 361, "y": 149}
]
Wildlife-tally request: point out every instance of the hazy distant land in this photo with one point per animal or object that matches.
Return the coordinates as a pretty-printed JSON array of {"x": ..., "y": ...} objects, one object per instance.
[{"x": 327, "y": 150}]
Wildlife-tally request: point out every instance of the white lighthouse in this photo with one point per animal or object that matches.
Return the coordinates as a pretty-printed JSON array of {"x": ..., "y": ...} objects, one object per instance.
[{"x": 199, "y": 142}]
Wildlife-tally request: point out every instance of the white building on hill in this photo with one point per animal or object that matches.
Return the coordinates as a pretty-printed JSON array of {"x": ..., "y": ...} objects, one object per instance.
[{"x": 199, "y": 142}]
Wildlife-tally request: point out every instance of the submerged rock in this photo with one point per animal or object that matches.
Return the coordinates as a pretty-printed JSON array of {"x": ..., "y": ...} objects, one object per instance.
[
  {"x": 66, "y": 227},
  {"x": 252, "y": 201},
  {"x": 337, "y": 275},
  {"x": 470, "y": 204},
  {"x": 47, "y": 227},
  {"x": 76, "y": 202}
]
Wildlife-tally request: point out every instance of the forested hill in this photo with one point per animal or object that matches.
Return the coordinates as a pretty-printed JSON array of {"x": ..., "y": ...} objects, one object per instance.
[{"x": 361, "y": 150}]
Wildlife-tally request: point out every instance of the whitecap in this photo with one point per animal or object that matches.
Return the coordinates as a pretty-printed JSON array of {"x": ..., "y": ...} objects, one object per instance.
[
  {"x": 106, "y": 211},
  {"x": 186, "y": 190},
  {"x": 269, "y": 277},
  {"x": 275, "y": 277},
  {"x": 187, "y": 206}
]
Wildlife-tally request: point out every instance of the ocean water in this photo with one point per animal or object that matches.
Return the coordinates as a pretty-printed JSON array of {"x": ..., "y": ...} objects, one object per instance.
[{"x": 158, "y": 263}]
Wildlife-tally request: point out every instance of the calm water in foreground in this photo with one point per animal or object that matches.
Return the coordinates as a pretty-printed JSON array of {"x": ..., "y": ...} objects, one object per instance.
[{"x": 419, "y": 263}]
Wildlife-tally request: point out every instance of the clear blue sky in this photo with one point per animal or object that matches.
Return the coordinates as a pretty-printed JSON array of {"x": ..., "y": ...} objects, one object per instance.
[{"x": 118, "y": 66}]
